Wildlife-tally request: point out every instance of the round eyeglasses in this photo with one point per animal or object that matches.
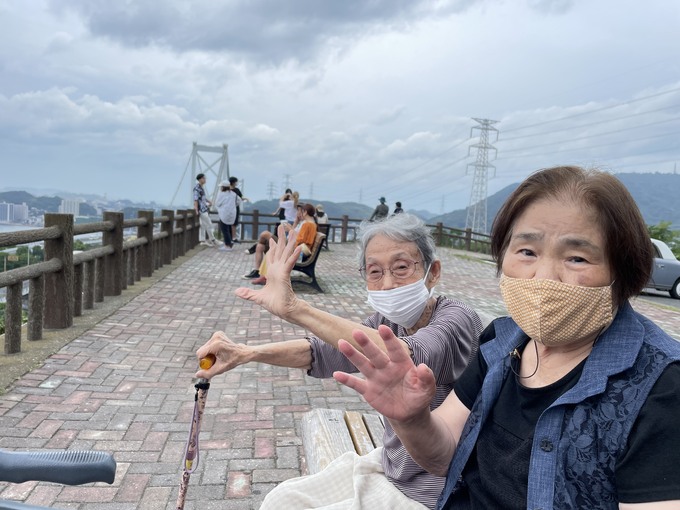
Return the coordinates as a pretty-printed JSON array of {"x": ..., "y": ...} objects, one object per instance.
[{"x": 400, "y": 269}]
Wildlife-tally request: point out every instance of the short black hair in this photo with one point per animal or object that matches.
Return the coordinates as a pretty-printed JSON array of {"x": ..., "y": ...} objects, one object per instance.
[
  {"x": 233, "y": 179},
  {"x": 398, "y": 204},
  {"x": 200, "y": 176}
]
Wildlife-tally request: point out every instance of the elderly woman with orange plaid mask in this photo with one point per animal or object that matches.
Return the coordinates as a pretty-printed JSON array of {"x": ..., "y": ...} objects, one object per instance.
[{"x": 572, "y": 401}]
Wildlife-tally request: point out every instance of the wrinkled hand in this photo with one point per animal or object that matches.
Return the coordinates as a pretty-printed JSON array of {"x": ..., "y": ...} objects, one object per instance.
[
  {"x": 393, "y": 385},
  {"x": 228, "y": 354},
  {"x": 277, "y": 296}
]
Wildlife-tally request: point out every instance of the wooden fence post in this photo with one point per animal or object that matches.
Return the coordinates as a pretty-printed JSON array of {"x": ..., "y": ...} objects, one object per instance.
[
  {"x": 88, "y": 297},
  {"x": 167, "y": 227},
  {"x": 255, "y": 232},
  {"x": 146, "y": 251},
  {"x": 99, "y": 279},
  {"x": 344, "y": 229},
  {"x": 439, "y": 236},
  {"x": 181, "y": 220},
  {"x": 468, "y": 238},
  {"x": 36, "y": 308},
  {"x": 190, "y": 219},
  {"x": 78, "y": 290},
  {"x": 13, "y": 318},
  {"x": 113, "y": 283},
  {"x": 59, "y": 285}
]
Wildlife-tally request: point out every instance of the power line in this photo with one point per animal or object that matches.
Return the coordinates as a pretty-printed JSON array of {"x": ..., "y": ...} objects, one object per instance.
[
  {"x": 639, "y": 126},
  {"x": 542, "y": 133},
  {"x": 618, "y": 142},
  {"x": 604, "y": 108}
]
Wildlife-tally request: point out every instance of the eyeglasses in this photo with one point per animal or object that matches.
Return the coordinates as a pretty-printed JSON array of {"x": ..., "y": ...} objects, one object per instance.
[{"x": 400, "y": 269}]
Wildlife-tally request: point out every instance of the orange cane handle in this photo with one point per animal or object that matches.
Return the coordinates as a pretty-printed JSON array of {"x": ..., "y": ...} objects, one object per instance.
[{"x": 207, "y": 362}]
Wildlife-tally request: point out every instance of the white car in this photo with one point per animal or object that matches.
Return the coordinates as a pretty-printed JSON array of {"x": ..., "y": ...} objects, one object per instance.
[{"x": 666, "y": 271}]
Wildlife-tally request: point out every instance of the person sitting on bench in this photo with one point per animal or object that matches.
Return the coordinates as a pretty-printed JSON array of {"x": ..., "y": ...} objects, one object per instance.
[
  {"x": 399, "y": 264},
  {"x": 305, "y": 226}
]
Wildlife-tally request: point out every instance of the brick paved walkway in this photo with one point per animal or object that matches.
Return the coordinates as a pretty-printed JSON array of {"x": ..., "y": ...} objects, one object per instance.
[{"x": 126, "y": 386}]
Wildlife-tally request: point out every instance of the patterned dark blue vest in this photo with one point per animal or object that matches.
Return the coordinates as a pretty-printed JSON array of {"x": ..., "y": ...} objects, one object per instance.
[{"x": 579, "y": 438}]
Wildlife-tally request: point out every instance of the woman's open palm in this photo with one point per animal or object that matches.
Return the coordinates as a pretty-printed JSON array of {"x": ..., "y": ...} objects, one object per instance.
[{"x": 393, "y": 385}]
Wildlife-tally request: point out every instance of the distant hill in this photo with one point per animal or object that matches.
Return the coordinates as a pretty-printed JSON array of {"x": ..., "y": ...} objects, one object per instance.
[
  {"x": 47, "y": 204},
  {"x": 657, "y": 196},
  {"x": 332, "y": 209}
]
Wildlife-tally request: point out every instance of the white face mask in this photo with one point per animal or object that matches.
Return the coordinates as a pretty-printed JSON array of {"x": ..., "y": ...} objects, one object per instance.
[{"x": 402, "y": 305}]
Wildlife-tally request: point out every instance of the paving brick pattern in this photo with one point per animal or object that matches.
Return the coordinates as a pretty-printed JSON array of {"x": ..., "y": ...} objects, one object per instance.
[{"x": 126, "y": 386}]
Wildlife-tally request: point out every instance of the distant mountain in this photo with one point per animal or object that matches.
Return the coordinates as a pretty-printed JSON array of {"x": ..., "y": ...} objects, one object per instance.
[
  {"x": 47, "y": 204},
  {"x": 657, "y": 196},
  {"x": 422, "y": 214},
  {"x": 332, "y": 209}
]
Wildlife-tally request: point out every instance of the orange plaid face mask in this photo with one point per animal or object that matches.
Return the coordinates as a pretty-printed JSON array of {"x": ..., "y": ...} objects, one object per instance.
[{"x": 555, "y": 313}]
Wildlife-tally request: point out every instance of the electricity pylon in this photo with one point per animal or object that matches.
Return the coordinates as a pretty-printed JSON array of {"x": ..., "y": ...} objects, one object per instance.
[{"x": 476, "y": 212}]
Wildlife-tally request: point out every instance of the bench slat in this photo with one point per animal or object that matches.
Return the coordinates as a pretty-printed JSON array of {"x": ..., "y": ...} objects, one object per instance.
[
  {"x": 357, "y": 429},
  {"x": 325, "y": 437},
  {"x": 375, "y": 427}
]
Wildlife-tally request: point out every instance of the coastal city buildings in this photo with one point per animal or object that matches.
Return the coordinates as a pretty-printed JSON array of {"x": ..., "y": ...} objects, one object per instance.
[{"x": 13, "y": 213}]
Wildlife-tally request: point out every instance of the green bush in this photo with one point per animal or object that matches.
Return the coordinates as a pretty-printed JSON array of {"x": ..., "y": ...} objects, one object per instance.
[
  {"x": 24, "y": 318},
  {"x": 662, "y": 231}
]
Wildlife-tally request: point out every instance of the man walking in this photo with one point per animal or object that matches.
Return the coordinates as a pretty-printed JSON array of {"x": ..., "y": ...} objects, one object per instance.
[{"x": 201, "y": 207}]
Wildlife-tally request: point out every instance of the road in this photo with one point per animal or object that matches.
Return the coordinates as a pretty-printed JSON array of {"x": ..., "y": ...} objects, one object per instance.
[{"x": 659, "y": 297}]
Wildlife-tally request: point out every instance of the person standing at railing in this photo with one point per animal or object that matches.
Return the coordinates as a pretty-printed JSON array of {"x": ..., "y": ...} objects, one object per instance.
[
  {"x": 381, "y": 211},
  {"x": 233, "y": 184},
  {"x": 201, "y": 208},
  {"x": 321, "y": 216},
  {"x": 288, "y": 204},
  {"x": 227, "y": 206}
]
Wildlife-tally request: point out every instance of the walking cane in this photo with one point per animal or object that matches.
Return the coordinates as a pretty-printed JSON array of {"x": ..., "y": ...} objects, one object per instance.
[{"x": 191, "y": 451}]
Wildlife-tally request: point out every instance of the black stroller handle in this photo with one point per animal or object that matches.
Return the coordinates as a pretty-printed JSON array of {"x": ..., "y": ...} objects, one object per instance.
[{"x": 64, "y": 467}]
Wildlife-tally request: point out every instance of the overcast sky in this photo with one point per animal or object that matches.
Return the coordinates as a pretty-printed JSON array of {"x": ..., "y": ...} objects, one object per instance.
[{"x": 346, "y": 100}]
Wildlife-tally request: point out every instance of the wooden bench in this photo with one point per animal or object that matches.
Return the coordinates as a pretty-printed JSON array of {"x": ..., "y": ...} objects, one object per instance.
[
  {"x": 328, "y": 433},
  {"x": 308, "y": 265}
]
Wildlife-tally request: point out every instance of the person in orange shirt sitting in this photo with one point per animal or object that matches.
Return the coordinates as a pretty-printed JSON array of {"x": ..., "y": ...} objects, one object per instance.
[{"x": 305, "y": 225}]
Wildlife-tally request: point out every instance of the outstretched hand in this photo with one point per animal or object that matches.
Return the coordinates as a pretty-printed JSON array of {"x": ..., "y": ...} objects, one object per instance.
[
  {"x": 277, "y": 296},
  {"x": 228, "y": 354},
  {"x": 393, "y": 385}
]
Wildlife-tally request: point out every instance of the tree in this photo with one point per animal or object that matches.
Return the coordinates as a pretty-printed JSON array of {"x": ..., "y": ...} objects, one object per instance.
[
  {"x": 662, "y": 231},
  {"x": 37, "y": 253}
]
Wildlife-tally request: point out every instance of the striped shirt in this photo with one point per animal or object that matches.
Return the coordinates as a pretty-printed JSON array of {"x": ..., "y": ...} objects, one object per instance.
[{"x": 447, "y": 344}]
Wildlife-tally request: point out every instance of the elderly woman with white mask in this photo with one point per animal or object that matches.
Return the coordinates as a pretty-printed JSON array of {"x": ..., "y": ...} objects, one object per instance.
[{"x": 398, "y": 262}]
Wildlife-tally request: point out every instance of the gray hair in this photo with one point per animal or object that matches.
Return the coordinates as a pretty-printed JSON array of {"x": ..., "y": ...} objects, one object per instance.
[{"x": 405, "y": 228}]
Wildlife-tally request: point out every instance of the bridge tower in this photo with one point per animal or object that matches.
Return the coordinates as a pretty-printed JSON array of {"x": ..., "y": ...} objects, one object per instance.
[{"x": 201, "y": 162}]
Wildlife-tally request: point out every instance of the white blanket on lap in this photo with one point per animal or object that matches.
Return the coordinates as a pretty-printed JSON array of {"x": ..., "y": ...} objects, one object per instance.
[{"x": 350, "y": 482}]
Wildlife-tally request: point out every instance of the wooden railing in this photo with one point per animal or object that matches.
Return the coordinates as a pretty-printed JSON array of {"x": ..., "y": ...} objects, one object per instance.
[
  {"x": 462, "y": 239},
  {"x": 66, "y": 283},
  {"x": 344, "y": 229}
]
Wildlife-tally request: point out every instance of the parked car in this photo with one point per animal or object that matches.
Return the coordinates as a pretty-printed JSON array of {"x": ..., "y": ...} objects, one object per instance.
[{"x": 666, "y": 271}]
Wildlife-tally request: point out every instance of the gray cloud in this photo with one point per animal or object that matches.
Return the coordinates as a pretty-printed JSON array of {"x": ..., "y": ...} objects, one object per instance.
[
  {"x": 267, "y": 31},
  {"x": 551, "y": 6}
]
